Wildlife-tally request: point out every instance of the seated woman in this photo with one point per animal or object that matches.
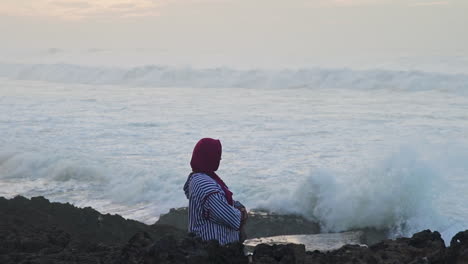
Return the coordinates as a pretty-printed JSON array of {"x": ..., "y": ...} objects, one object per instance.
[{"x": 213, "y": 214}]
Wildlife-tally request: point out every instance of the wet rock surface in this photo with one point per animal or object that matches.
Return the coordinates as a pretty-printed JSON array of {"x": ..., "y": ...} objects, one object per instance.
[
  {"x": 37, "y": 231},
  {"x": 259, "y": 224}
]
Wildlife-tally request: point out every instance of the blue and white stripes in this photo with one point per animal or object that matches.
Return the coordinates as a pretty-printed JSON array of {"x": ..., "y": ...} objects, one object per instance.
[{"x": 210, "y": 215}]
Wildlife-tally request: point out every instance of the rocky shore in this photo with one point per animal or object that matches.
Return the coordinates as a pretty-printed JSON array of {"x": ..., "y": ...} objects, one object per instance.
[{"x": 38, "y": 231}]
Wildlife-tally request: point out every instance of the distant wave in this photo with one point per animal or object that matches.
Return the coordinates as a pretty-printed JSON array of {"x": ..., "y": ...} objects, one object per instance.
[{"x": 164, "y": 76}]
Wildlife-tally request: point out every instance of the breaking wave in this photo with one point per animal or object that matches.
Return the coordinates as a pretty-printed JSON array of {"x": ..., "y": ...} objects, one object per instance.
[
  {"x": 406, "y": 193},
  {"x": 164, "y": 76},
  {"x": 89, "y": 181},
  {"x": 28, "y": 165}
]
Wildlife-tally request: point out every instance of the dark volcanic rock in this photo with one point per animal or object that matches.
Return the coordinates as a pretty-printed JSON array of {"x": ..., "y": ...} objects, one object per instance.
[
  {"x": 142, "y": 250},
  {"x": 37, "y": 231},
  {"x": 423, "y": 247},
  {"x": 420, "y": 247},
  {"x": 458, "y": 251},
  {"x": 176, "y": 217},
  {"x": 82, "y": 223},
  {"x": 259, "y": 224},
  {"x": 347, "y": 254},
  {"x": 263, "y": 224},
  {"x": 284, "y": 254},
  {"x": 135, "y": 249}
]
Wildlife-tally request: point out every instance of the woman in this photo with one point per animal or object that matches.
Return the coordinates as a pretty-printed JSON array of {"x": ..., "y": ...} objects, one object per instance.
[{"x": 213, "y": 214}]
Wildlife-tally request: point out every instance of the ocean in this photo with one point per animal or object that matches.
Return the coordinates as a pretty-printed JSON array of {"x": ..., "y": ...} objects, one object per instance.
[{"x": 350, "y": 149}]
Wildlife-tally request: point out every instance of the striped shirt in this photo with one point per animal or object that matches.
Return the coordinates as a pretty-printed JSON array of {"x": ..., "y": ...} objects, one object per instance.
[{"x": 210, "y": 215}]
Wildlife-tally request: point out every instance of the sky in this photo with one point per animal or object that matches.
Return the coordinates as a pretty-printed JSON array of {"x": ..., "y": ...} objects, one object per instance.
[{"x": 226, "y": 30}]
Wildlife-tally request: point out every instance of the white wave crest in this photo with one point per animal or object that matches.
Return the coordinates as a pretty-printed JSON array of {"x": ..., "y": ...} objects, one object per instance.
[
  {"x": 28, "y": 165},
  {"x": 163, "y": 76}
]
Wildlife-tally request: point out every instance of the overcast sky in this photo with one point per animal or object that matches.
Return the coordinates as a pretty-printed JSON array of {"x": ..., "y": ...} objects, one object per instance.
[{"x": 240, "y": 27}]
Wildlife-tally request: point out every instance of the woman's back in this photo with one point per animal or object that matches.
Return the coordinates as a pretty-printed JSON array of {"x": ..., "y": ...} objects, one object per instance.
[{"x": 211, "y": 217}]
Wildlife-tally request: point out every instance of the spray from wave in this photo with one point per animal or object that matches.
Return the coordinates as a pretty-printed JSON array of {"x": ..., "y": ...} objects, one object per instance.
[
  {"x": 164, "y": 76},
  {"x": 406, "y": 193}
]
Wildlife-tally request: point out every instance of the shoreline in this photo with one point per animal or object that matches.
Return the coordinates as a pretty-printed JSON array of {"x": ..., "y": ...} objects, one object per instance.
[
  {"x": 264, "y": 223},
  {"x": 38, "y": 231}
]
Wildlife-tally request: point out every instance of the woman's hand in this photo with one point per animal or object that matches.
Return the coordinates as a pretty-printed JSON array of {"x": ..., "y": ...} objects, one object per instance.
[{"x": 244, "y": 214}]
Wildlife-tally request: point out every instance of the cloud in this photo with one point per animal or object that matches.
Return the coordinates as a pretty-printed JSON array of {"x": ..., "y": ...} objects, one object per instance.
[
  {"x": 73, "y": 4},
  {"x": 430, "y": 3},
  {"x": 111, "y": 9},
  {"x": 352, "y": 2},
  {"x": 82, "y": 9},
  {"x": 123, "y": 6},
  {"x": 349, "y": 3}
]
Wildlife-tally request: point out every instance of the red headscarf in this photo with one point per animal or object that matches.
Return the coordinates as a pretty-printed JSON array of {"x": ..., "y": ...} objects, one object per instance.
[{"x": 205, "y": 158}]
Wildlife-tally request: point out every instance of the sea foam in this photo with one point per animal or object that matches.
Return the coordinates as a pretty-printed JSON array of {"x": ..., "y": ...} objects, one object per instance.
[{"x": 165, "y": 76}]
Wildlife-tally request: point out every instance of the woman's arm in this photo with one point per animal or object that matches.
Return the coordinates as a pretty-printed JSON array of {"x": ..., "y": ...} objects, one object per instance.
[{"x": 219, "y": 211}]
